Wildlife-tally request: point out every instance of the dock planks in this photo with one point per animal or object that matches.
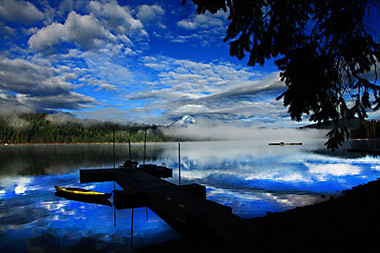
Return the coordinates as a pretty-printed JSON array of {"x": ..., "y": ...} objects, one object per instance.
[{"x": 186, "y": 212}]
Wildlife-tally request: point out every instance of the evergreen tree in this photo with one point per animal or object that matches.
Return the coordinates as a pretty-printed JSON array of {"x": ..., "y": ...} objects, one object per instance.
[{"x": 40, "y": 130}]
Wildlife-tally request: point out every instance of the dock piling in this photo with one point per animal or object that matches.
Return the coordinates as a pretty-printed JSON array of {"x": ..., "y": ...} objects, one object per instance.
[{"x": 179, "y": 163}]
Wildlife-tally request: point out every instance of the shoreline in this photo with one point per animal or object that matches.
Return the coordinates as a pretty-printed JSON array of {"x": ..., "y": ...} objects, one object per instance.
[{"x": 81, "y": 143}]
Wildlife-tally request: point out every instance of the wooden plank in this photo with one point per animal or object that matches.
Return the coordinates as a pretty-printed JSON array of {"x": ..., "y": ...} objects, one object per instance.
[
  {"x": 135, "y": 179},
  {"x": 177, "y": 205},
  {"x": 196, "y": 189}
]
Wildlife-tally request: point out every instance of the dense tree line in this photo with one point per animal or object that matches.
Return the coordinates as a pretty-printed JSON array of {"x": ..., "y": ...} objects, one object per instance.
[
  {"x": 367, "y": 129},
  {"x": 37, "y": 128}
]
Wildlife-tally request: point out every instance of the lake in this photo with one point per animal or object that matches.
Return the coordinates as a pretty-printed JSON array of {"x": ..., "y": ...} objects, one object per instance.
[{"x": 251, "y": 177}]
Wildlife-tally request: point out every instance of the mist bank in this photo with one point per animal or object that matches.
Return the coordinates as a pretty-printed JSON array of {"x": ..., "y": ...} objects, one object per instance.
[{"x": 228, "y": 132}]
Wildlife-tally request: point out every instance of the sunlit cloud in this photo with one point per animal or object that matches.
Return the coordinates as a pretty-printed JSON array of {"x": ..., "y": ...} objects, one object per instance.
[
  {"x": 148, "y": 13},
  {"x": 205, "y": 21},
  {"x": 334, "y": 169},
  {"x": 85, "y": 31},
  {"x": 106, "y": 23},
  {"x": 206, "y": 28}
]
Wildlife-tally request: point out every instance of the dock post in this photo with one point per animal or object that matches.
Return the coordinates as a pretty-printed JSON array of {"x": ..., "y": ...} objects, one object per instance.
[
  {"x": 132, "y": 228},
  {"x": 113, "y": 148},
  {"x": 130, "y": 151},
  {"x": 144, "y": 146},
  {"x": 114, "y": 216},
  {"x": 179, "y": 163}
]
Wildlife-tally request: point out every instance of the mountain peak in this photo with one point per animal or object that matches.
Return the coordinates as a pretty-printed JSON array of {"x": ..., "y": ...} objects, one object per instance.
[{"x": 185, "y": 121}]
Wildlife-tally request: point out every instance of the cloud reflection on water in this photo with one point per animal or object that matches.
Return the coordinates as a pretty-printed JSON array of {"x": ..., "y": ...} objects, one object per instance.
[
  {"x": 251, "y": 177},
  {"x": 30, "y": 212}
]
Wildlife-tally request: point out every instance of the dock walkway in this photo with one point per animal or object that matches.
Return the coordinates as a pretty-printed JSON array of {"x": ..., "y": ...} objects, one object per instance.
[{"x": 185, "y": 208}]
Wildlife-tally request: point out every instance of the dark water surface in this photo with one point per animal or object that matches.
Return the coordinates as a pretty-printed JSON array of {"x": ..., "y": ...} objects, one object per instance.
[{"x": 252, "y": 178}]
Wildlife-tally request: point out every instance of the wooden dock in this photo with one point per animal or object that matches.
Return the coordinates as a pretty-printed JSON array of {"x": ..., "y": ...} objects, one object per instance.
[{"x": 185, "y": 208}]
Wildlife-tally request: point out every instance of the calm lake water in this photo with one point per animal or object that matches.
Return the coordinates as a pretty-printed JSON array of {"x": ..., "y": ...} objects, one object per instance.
[{"x": 251, "y": 177}]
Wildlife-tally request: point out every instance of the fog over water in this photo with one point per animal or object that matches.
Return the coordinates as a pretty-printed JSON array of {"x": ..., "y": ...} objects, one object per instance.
[{"x": 206, "y": 130}]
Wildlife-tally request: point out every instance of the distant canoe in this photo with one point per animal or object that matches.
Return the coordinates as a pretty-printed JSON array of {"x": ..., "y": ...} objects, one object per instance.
[
  {"x": 284, "y": 143},
  {"x": 83, "y": 193}
]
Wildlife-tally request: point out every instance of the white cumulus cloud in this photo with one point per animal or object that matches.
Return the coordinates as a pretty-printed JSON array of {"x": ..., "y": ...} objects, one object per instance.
[
  {"x": 106, "y": 23},
  {"x": 204, "y": 21},
  {"x": 116, "y": 17},
  {"x": 85, "y": 31},
  {"x": 148, "y": 13}
]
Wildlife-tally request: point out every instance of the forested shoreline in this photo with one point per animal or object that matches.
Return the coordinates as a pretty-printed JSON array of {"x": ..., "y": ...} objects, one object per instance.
[
  {"x": 38, "y": 128},
  {"x": 366, "y": 129}
]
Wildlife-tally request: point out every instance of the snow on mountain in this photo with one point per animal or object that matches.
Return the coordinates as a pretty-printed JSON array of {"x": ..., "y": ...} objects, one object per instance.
[{"x": 184, "y": 121}]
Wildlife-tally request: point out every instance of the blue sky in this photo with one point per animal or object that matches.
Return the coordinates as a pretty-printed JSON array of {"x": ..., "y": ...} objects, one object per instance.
[{"x": 139, "y": 61}]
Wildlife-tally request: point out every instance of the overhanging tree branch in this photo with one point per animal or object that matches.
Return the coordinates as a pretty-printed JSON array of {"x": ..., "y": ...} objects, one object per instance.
[{"x": 324, "y": 50}]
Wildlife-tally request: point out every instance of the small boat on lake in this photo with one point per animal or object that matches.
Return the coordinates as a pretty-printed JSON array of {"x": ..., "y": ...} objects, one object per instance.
[
  {"x": 82, "y": 193},
  {"x": 284, "y": 143}
]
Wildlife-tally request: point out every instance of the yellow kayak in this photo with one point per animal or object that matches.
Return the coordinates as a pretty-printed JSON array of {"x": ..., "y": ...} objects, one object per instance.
[{"x": 82, "y": 192}]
